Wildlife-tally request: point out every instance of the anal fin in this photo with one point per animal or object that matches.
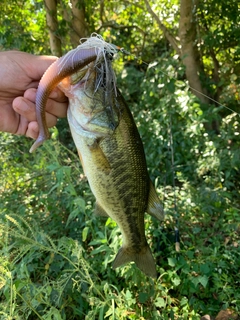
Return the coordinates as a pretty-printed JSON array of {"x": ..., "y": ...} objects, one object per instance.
[{"x": 155, "y": 209}]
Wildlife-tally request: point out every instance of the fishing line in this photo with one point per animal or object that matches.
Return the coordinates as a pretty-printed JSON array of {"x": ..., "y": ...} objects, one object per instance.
[
  {"x": 103, "y": 47},
  {"x": 107, "y": 79},
  {"x": 176, "y": 228},
  {"x": 140, "y": 61},
  {"x": 177, "y": 222}
]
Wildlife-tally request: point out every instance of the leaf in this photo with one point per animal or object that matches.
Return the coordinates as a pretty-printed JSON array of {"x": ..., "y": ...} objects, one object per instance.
[
  {"x": 171, "y": 86},
  {"x": 80, "y": 202},
  {"x": 71, "y": 190},
  {"x": 85, "y": 233},
  {"x": 53, "y": 314},
  {"x": 129, "y": 298},
  {"x": 160, "y": 302},
  {"x": 143, "y": 297},
  {"x": 102, "y": 248},
  {"x": 205, "y": 268},
  {"x": 195, "y": 281},
  {"x": 73, "y": 215},
  {"x": 203, "y": 280},
  {"x": 184, "y": 301},
  {"x": 172, "y": 262},
  {"x": 176, "y": 281}
]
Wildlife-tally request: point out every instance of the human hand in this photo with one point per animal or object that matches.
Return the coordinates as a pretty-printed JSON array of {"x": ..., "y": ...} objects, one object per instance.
[{"x": 20, "y": 73}]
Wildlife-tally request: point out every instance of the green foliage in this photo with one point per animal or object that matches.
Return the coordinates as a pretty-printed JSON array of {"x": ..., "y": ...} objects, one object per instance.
[
  {"x": 56, "y": 256},
  {"x": 23, "y": 27}
]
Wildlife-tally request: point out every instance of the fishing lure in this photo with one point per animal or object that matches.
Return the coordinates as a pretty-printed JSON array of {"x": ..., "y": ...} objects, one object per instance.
[{"x": 90, "y": 49}]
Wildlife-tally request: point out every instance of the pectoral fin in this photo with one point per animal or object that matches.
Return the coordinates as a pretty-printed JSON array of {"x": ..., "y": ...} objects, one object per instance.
[
  {"x": 99, "y": 157},
  {"x": 99, "y": 211},
  {"x": 154, "y": 208}
]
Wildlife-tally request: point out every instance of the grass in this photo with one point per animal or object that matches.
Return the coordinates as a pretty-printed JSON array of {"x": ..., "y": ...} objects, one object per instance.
[{"x": 56, "y": 256}]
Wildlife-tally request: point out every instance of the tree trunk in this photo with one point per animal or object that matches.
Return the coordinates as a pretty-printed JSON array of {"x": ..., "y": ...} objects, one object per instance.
[
  {"x": 189, "y": 51},
  {"x": 187, "y": 48},
  {"x": 79, "y": 25},
  {"x": 190, "y": 55},
  {"x": 52, "y": 23}
]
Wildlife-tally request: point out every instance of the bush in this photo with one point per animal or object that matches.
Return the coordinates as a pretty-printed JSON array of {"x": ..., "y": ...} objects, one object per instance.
[{"x": 56, "y": 256}]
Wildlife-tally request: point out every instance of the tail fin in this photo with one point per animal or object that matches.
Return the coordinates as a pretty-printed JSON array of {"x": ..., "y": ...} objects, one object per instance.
[{"x": 144, "y": 260}]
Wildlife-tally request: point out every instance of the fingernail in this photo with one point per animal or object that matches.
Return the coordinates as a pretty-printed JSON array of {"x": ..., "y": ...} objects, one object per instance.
[
  {"x": 20, "y": 105},
  {"x": 24, "y": 106}
]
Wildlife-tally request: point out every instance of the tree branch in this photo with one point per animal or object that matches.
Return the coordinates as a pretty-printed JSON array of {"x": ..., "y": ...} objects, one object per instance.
[
  {"x": 114, "y": 25},
  {"x": 164, "y": 29}
]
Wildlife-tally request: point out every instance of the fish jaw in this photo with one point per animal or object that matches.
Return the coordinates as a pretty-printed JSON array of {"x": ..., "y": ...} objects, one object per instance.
[{"x": 87, "y": 105}]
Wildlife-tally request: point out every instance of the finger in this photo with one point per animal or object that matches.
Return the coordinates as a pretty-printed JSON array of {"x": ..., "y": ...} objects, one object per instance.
[
  {"x": 58, "y": 95},
  {"x": 9, "y": 119},
  {"x": 22, "y": 126},
  {"x": 56, "y": 105},
  {"x": 26, "y": 109},
  {"x": 32, "y": 130}
]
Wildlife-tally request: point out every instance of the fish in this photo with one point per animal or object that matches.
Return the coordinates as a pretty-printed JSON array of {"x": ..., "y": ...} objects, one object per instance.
[{"x": 109, "y": 147}]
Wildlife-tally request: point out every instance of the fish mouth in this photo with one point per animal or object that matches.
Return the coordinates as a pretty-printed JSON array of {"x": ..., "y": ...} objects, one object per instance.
[
  {"x": 76, "y": 124},
  {"x": 82, "y": 76},
  {"x": 102, "y": 75},
  {"x": 99, "y": 114},
  {"x": 83, "y": 129}
]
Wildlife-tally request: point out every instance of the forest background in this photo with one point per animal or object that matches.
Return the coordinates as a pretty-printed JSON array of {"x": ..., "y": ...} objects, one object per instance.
[{"x": 181, "y": 82}]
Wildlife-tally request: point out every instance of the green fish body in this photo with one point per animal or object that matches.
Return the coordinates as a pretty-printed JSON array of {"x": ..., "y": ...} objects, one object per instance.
[
  {"x": 113, "y": 160},
  {"x": 108, "y": 144}
]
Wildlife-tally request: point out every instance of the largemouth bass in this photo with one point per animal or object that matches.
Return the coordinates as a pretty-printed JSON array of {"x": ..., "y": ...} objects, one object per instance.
[{"x": 110, "y": 150}]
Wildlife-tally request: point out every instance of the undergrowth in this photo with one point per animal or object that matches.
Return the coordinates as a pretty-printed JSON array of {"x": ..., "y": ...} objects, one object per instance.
[{"x": 56, "y": 255}]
